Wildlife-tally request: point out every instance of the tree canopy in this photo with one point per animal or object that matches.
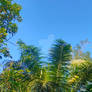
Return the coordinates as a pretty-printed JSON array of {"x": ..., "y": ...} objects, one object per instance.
[
  {"x": 68, "y": 69},
  {"x": 9, "y": 14}
]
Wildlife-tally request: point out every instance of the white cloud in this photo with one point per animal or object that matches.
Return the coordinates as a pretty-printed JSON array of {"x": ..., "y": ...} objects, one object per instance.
[{"x": 46, "y": 43}]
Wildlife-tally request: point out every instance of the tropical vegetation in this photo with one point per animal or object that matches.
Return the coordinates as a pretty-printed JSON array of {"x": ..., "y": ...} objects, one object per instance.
[{"x": 67, "y": 69}]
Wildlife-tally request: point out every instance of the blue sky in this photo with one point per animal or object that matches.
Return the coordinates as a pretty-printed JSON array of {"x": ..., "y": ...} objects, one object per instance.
[{"x": 47, "y": 20}]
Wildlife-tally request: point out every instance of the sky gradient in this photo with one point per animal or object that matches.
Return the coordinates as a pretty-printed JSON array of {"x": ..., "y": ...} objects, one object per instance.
[{"x": 47, "y": 20}]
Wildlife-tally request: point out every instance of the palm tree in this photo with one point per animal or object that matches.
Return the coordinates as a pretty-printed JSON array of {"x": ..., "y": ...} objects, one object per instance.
[
  {"x": 42, "y": 83},
  {"x": 60, "y": 55},
  {"x": 30, "y": 57}
]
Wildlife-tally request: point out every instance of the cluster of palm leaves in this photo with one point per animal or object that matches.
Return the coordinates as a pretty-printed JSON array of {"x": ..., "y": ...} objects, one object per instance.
[{"x": 63, "y": 72}]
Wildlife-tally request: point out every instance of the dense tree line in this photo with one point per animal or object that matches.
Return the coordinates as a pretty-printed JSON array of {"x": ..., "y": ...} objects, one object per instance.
[{"x": 67, "y": 69}]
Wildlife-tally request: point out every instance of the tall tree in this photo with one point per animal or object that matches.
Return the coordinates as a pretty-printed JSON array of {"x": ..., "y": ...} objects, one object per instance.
[
  {"x": 30, "y": 57},
  {"x": 9, "y": 13},
  {"x": 78, "y": 51},
  {"x": 60, "y": 55}
]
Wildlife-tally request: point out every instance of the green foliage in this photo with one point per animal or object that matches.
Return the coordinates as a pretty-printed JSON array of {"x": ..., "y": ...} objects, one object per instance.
[
  {"x": 28, "y": 74},
  {"x": 13, "y": 80},
  {"x": 80, "y": 73},
  {"x": 60, "y": 55},
  {"x": 9, "y": 13},
  {"x": 61, "y": 74},
  {"x": 30, "y": 57},
  {"x": 60, "y": 52}
]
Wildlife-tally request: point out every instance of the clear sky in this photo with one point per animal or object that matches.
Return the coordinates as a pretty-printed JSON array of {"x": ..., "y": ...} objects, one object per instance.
[{"x": 46, "y": 20}]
